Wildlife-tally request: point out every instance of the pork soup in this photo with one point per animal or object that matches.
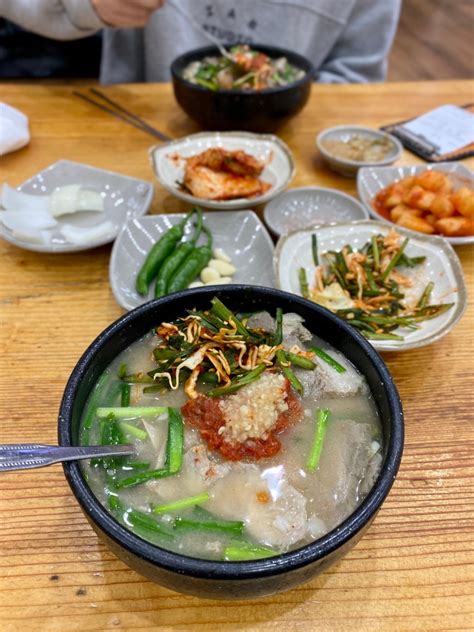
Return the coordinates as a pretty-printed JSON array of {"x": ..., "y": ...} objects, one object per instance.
[{"x": 253, "y": 437}]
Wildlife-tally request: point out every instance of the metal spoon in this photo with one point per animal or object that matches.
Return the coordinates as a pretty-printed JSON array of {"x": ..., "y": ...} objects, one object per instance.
[
  {"x": 25, "y": 456},
  {"x": 198, "y": 27}
]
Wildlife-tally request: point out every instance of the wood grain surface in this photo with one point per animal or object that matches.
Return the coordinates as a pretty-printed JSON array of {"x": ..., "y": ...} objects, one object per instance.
[{"x": 414, "y": 568}]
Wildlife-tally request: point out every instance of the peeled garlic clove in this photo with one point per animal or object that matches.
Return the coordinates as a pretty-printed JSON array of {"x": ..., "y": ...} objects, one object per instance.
[
  {"x": 224, "y": 268},
  {"x": 195, "y": 284},
  {"x": 209, "y": 275},
  {"x": 220, "y": 254},
  {"x": 223, "y": 280}
]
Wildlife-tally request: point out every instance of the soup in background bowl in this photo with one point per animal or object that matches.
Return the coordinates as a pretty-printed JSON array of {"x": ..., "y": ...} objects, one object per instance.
[
  {"x": 310, "y": 535},
  {"x": 262, "y": 110}
]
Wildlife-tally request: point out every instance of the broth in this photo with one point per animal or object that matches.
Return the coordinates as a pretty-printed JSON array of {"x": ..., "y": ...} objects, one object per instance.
[{"x": 278, "y": 501}]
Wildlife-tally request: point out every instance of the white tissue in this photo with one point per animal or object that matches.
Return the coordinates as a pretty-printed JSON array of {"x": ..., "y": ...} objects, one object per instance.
[{"x": 14, "y": 132}]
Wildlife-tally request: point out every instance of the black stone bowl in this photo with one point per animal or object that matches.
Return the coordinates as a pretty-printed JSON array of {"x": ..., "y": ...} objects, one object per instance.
[
  {"x": 254, "y": 111},
  {"x": 231, "y": 580}
]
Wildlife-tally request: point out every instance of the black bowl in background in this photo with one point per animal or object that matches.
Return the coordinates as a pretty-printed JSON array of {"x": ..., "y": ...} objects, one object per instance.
[
  {"x": 262, "y": 111},
  {"x": 231, "y": 580}
]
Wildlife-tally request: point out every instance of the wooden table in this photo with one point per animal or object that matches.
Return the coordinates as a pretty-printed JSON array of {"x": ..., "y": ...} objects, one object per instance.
[{"x": 410, "y": 572}]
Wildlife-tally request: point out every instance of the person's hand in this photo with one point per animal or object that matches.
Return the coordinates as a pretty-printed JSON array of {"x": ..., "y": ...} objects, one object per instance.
[{"x": 126, "y": 13}]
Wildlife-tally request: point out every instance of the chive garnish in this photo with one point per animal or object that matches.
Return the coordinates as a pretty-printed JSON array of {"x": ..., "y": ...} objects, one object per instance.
[
  {"x": 235, "y": 527},
  {"x": 322, "y": 417},
  {"x": 328, "y": 359},
  {"x": 183, "y": 503},
  {"x": 129, "y": 412},
  {"x": 174, "y": 448},
  {"x": 240, "y": 552}
]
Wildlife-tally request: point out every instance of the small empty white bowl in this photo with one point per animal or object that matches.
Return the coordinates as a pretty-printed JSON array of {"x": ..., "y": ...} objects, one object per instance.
[
  {"x": 347, "y": 167},
  {"x": 304, "y": 207}
]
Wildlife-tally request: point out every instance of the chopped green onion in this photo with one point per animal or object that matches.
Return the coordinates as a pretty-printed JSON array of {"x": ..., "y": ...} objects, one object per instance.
[
  {"x": 374, "y": 336},
  {"x": 220, "y": 310},
  {"x": 135, "y": 465},
  {"x": 317, "y": 445},
  {"x": 288, "y": 373},
  {"x": 174, "y": 448},
  {"x": 144, "y": 521},
  {"x": 224, "y": 526},
  {"x": 240, "y": 552},
  {"x": 125, "y": 395},
  {"x": 328, "y": 359},
  {"x": 134, "y": 431},
  {"x": 138, "y": 378},
  {"x": 278, "y": 339},
  {"x": 182, "y": 504},
  {"x": 394, "y": 260},
  {"x": 301, "y": 361},
  {"x": 90, "y": 411},
  {"x": 143, "y": 477},
  {"x": 238, "y": 383},
  {"x": 314, "y": 249},
  {"x": 303, "y": 279},
  {"x": 425, "y": 297},
  {"x": 114, "y": 503},
  {"x": 122, "y": 370},
  {"x": 131, "y": 411},
  {"x": 375, "y": 252}
]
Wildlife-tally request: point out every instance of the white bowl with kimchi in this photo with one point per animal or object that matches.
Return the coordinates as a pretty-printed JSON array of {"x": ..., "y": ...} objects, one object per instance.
[{"x": 224, "y": 170}]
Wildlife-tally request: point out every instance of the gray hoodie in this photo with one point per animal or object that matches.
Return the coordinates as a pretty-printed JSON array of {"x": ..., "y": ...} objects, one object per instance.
[{"x": 346, "y": 40}]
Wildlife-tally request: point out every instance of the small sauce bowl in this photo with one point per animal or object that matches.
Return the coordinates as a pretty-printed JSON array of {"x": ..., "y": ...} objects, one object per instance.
[{"x": 346, "y": 166}]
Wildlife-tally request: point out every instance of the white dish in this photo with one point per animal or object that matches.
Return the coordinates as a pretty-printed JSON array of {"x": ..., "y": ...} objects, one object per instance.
[
  {"x": 304, "y": 207},
  {"x": 124, "y": 197},
  {"x": 170, "y": 171},
  {"x": 241, "y": 235},
  {"x": 442, "y": 266},
  {"x": 370, "y": 180}
]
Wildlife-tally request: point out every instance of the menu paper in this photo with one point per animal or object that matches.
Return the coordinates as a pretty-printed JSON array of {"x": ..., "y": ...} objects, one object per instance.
[
  {"x": 445, "y": 133},
  {"x": 448, "y": 128}
]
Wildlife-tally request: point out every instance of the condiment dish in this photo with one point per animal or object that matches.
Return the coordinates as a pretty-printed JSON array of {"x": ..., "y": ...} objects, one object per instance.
[
  {"x": 123, "y": 197},
  {"x": 344, "y": 133},
  {"x": 442, "y": 267},
  {"x": 304, "y": 207}
]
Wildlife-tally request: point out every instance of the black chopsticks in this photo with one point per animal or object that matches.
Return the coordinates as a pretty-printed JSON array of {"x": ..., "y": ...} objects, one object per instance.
[{"x": 121, "y": 113}]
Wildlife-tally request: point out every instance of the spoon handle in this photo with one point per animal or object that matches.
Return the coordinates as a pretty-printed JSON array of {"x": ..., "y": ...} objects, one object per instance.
[
  {"x": 202, "y": 30},
  {"x": 24, "y": 456}
]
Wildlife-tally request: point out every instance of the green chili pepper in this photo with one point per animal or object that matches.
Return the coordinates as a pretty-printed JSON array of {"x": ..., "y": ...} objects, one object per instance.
[
  {"x": 158, "y": 253},
  {"x": 191, "y": 266},
  {"x": 176, "y": 258}
]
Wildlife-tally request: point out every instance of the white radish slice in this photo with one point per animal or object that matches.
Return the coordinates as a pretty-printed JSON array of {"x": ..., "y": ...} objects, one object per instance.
[
  {"x": 27, "y": 220},
  {"x": 17, "y": 201},
  {"x": 83, "y": 235}
]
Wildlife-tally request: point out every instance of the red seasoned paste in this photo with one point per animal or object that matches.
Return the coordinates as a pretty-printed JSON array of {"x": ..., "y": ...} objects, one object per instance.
[{"x": 205, "y": 413}]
